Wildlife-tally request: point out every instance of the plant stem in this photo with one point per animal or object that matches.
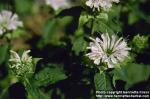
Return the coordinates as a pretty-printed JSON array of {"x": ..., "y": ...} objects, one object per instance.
[{"x": 32, "y": 91}]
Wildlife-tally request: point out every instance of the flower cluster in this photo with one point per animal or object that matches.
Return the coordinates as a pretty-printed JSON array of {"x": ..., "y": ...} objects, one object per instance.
[
  {"x": 108, "y": 49},
  {"x": 56, "y": 4},
  {"x": 139, "y": 43},
  {"x": 21, "y": 65},
  {"x": 8, "y": 21},
  {"x": 98, "y": 4}
]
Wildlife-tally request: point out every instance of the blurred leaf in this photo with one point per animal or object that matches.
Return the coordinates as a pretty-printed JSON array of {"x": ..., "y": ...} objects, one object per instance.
[
  {"x": 16, "y": 34},
  {"x": 102, "y": 81},
  {"x": 114, "y": 12},
  {"x": 79, "y": 45},
  {"x": 79, "y": 32},
  {"x": 24, "y": 6},
  {"x": 49, "y": 75},
  {"x": 84, "y": 18},
  {"x": 132, "y": 18},
  {"x": 54, "y": 30},
  {"x": 48, "y": 31},
  {"x": 49, "y": 28},
  {"x": 4, "y": 6},
  {"x": 132, "y": 74},
  {"x": 4, "y": 94},
  {"x": 45, "y": 95},
  {"x": 103, "y": 16},
  {"x": 3, "y": 52},
  {"x": 65, "y": 20},
  {"x": 35, "y": 60}
]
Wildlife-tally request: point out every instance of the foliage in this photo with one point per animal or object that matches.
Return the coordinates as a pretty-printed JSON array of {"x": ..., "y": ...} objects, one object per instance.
[
  {"x": 102, "y": 82},
  {"x": 49, "y": 75},
  {"x": 130, "y": 75},
  {"x": 58, "y": 66}
]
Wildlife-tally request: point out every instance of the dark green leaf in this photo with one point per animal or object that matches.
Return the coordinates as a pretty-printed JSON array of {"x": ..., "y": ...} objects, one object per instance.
[
  {"x": 3, "y": 52},
  {"x": 49, "y": 75},
  {"x": 132, "y": 74}
]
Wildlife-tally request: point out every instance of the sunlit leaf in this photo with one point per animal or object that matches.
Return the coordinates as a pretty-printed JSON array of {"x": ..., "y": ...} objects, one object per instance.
[{"x": 102, "y": 81}]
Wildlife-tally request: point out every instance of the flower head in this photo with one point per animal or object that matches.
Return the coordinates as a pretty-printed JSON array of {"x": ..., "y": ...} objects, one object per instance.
[
  {"x": 108, "y": 49},
  {"x": 56, "y": 4},
  {"x": 8, "y": 21},
  {"x": 98, "y": 4},
  {"x": 21, "y": 65},
  {"x": 140, "y": 42}
]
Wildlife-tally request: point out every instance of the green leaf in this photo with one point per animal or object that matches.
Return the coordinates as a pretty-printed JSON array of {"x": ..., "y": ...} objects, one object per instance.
[
  {"x": 84, "y": 18},
  {"x": 79, "y": 45},
  {"x": 31, "y": 89},
  {"x": 132, "y": 18},
  {"x": 23, "y": 6},
  {"x": 35, "y": 60},
  {"x": 65, "y": 20},
  {"x": 3, "y": 52},
  {"x": 54, "y": 30},
  {"x": 49, "y": 75},
  {"x": 102, "y": 81},
  {"x": 49, "y": 29},
  {"x": 106, "y": 23},
  {"x": 132, "y": 74},
  {"x": 16, "y": 34},
  {"x": 103, "y": 16},
  {"x": 101, "y": 26}
]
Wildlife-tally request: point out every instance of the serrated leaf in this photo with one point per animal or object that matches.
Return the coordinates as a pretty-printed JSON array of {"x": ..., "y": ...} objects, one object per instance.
[
  {"x": 102, "y": 81},
  {"x": 101, "y": 26},
  {"x": 49, "y": 75}
]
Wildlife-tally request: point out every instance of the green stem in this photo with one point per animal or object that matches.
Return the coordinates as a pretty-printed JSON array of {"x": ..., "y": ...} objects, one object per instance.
[
  {"x": 32, "y": 91},
  {"x": 92, "y": 26}
]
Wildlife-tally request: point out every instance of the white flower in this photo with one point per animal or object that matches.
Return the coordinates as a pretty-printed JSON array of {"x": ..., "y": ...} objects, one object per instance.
[
  {"x": 56, "y": 4},
  {"x": 108, "y": 49},
  {"x": 21, "y": 64},
  {"x": 8, "y": 21},
  {"x": 97, "y": 4},
  {"x": 93, "y": 4}
]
